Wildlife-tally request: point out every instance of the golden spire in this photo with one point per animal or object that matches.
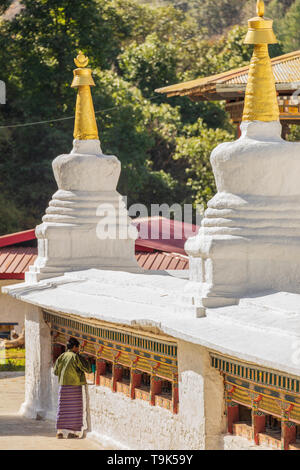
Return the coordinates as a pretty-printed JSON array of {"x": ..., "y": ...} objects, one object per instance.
[
  {"x": 85, "y": 121},
  {"x": 260, "y": 8},
  {"x": 261, "y": 97}
]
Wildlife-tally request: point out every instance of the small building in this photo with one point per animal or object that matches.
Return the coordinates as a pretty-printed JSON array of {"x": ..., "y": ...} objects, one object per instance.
[
  {"x": 205, "y": 358},
  {"x": 230, "y": 86},
  {"x": 17, "y": 253}
]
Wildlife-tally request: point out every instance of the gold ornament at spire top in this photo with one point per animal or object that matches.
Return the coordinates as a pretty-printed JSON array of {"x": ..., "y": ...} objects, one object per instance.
[
  {"x": 260, "y": 8},
  {"x": 81, "y": 60},
  {"x": 260, "y": 29},
  {"x": 85, "y": 122},
  {"x": 261, "y": 97}
]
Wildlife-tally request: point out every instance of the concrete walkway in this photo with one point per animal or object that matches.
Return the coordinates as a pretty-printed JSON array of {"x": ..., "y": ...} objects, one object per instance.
[{"x": 17, "y": 433}]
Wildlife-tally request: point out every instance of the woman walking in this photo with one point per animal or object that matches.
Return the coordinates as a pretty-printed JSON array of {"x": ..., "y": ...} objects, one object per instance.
[{"x": 70, "y": 368}]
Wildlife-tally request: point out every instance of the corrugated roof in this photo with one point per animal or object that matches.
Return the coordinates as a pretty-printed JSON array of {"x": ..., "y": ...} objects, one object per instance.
[
  {"x": 19, "y": 237},
  {"x": 15, "y": 261},
  {"x": 160, "y": 246},
  {"x": 286, "y": 69},
  {"x": 155, "y": 233},
  {"x": 162, "y": 261},
  {"x": 162, "y": 234}
]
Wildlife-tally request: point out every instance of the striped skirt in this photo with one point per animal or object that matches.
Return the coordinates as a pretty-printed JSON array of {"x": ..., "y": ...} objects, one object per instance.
[{"x": 70, "y": 408}]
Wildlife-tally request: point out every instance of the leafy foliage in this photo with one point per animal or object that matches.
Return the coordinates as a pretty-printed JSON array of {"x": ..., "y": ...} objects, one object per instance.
[
  {"x": 149, "y": 64},
  {"x": 195, "y": 147},
  {"x": 12, "y": 360},
  {"x": 288, "y": 27},
  {"x": 134, "y": 47}
]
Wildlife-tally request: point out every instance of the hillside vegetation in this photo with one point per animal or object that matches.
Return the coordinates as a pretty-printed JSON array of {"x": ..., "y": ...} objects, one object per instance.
[{"x": 134, "y": 47}]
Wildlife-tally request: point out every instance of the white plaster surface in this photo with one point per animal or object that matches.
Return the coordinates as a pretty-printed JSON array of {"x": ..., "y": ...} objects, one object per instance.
[
  {"x": 89, "y": 147},
  {"x": 10, "y": 309},
  {"x": 240, "y": 443},
  {"x": 201, "y": 396},
  {"x": 152, "y": 427},
  {"x": 244, "y": 269},
  {"x": 38, "y": 363},
  {"x": 196, "y": 426},
  {"x": 84, "y": 209},
  {"x": 249, "y": 241},
  {"x": 263, "y": 330}
]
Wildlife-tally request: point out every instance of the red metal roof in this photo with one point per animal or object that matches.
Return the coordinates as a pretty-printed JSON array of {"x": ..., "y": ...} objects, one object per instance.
[
  {"x": 161, "y": 261},
  {"x": 15, "y": 261},
  {"x": 156, "y": 233},
  {"x": 15, "y": 238},
  {"x": 162, "y": 234},
  {"x": 163, "y": 249}
]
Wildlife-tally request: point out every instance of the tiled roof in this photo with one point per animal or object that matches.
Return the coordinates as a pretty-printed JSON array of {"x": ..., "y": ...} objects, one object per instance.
[{"x": 286, "y": 69}]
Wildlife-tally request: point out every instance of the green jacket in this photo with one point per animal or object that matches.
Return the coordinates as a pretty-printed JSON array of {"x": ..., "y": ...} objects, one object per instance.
[{"x": 70, "y": 368}]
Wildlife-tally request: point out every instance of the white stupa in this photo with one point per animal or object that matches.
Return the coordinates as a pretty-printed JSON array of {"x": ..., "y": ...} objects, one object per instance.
[
  {"x": 249, "y": 242},
  {"x": 86, "y": 224}
]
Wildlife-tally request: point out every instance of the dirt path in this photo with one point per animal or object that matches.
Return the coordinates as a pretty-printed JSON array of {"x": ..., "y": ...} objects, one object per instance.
[{"x": 17, "y": 433}]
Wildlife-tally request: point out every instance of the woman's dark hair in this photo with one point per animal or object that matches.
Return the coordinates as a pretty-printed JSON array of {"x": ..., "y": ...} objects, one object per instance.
[{"x": 72, "y": 342}]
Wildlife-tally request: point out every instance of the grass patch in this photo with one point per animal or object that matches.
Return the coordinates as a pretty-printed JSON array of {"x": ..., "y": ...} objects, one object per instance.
[{"x": 12, "y": 360}]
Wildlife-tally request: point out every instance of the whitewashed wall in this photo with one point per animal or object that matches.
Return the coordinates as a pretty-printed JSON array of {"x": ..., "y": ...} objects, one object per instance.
[
  {"x": 201, "y": 397},
  {"x": 11, "y": 310},
  {"x": 119, "y": 422},
  {"x": 240, "y": 443},
  {"x": 38, "y": 389}
]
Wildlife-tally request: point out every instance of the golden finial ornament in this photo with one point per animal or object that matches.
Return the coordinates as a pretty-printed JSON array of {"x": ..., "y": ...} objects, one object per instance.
[
  {"x": 81, "y": 60},
  {"x": 85, "y": 122},
  {"x": 260, "y": 29},
  {"x": 261, "y": 97},
  {"x": 260, "y": 8}
]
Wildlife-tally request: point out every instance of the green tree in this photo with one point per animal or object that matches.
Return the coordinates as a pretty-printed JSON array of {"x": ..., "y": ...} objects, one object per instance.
[
  {"x": 142, "y": 134},
  {"x": 164, "y": 144},
  {"x": 288, "y": 28},
  {"x": 216, "y": 18},
  {"x": 10, "y": 215},
  {"x": 4, "y": 6},
  {"x": 150, "y": 64},
  {"x": 194, "y": 147},
  {"x": 38, "y": 48},
  {"x": 140, "y": 20}
]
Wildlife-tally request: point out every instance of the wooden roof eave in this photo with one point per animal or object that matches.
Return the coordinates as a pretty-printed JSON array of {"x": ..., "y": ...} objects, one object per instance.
[
  {"x": 241, "y": 87},
  {"x": 198, "y": 86},
  {"x": 288, "y": 86},
  {"x": 221, "y": 91},
  {"x": 210, "y": 93}
]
